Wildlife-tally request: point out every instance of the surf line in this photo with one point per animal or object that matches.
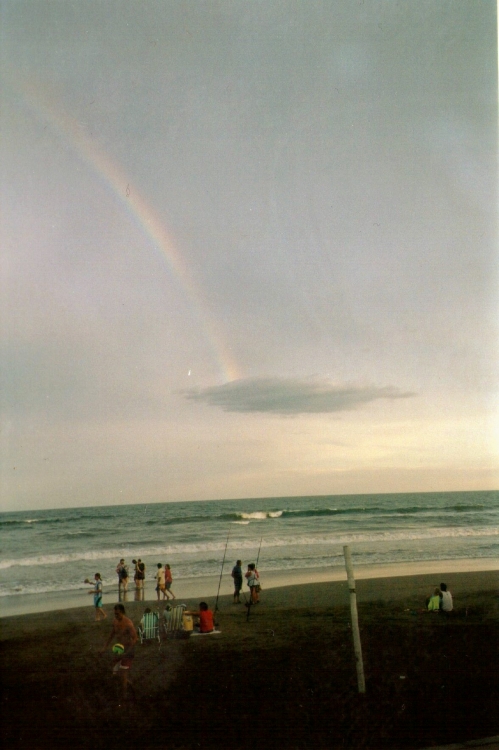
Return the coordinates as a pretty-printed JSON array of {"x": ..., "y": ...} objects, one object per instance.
[{"x": 118, "y": 183}]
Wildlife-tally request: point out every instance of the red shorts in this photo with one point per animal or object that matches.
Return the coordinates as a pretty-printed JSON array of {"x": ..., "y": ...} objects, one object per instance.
[{"x": 124, "y": 663}]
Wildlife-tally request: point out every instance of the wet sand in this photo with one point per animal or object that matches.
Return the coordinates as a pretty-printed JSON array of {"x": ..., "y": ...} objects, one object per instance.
[
  {"x": 203, "y": 587},
  {"x": 284, "y": 678}
]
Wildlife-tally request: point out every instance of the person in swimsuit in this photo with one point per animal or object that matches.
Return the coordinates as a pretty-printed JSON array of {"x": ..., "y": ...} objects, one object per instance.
[
  {"x": 123, "y": 631},
  {"x": 122, "y": 573},
  {"x": 140, "y": 574}
]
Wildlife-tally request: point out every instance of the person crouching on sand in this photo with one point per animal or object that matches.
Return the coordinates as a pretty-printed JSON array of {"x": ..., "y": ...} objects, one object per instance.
[
  {"x": 97, "y": 592},
  {"x": 433, "y": 602}
]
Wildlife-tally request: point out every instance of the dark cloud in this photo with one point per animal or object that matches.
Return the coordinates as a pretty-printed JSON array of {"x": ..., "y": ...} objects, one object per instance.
[{"x": 291, "y": 395}]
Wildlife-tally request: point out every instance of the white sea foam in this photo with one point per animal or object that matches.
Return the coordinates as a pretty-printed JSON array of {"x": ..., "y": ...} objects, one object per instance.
[
  {"x": 162, "y": 552},
  {"x": 296, "y": 533},
  {"x": 285, "y": 575}
]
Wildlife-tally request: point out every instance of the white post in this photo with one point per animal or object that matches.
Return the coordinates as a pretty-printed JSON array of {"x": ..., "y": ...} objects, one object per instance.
[{"x": 355, "y": 621}]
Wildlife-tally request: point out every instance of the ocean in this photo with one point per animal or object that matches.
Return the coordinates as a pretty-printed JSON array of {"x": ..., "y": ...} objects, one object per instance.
[{"x": 52, "y": 551}]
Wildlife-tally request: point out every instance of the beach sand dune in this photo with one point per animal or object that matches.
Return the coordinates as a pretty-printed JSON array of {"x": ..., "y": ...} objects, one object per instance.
[{"x": 285, "y": 678}]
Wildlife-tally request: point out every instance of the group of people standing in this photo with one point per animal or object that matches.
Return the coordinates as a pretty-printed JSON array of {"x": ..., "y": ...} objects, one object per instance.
[
  {"x": 139, "y": 574},
  {"x": 123, "y": 629},
  {"x": 163, "y": 578},
  {"x": 164, "y": 582},
  {"x": 252, "y": 579}
]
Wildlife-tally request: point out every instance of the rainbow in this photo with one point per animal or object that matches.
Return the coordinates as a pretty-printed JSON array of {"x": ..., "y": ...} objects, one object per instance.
[{"x": 138, "y": 209}]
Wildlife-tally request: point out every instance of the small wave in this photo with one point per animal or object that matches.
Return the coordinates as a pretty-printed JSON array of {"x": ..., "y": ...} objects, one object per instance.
[
  {"x": 331, "y": 561},
  {"x": 27, "y": 521},
  {"x": 49, "y": 589},
  {"x": 162, "y": 552},
  {"x": 70, "y": 518},
  {"x": 176, "y": 521},
  {"x": 381, "y": 511},
  {"x": 175, "y": 514},
  {"x": 465, "y": 508}
]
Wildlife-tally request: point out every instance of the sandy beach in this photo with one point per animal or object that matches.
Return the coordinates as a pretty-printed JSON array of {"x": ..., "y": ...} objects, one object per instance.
[{"x": 284, "y": 678}]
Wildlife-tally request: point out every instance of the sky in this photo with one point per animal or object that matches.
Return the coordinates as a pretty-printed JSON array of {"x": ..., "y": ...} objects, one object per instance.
[{"x": 249, "y": 249}]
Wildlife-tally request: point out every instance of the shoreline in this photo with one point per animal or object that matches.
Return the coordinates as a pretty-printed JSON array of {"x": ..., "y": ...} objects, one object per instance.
[{"x": 207, "y": 587}]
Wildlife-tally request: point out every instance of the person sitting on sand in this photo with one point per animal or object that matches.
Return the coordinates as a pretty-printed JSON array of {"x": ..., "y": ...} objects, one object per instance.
[
  {"x": 433, "y": 602},
  {"x": 123, "y": 632},
  {"x": 97, "y": 592},
  {"x": 446, "y": 604},
  {"x": 205, "y": 618},
  {"x": 237, "y": 575}
]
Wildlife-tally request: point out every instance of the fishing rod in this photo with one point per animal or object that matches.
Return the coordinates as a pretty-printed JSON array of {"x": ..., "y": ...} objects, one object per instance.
[
  {"x": 222, "y": 570},
  {"x": 258, "y": 556},
  {"x": 256, "y": 569}
]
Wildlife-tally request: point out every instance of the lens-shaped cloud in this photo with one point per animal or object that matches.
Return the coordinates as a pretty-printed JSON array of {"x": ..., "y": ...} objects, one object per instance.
[{"x": 291, "y": 395}]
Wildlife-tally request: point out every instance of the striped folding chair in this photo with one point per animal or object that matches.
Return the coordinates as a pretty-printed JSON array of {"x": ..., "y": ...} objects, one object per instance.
[
  {"x": 173, "y": 623},
  {"x": 149, "y": 627}
]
